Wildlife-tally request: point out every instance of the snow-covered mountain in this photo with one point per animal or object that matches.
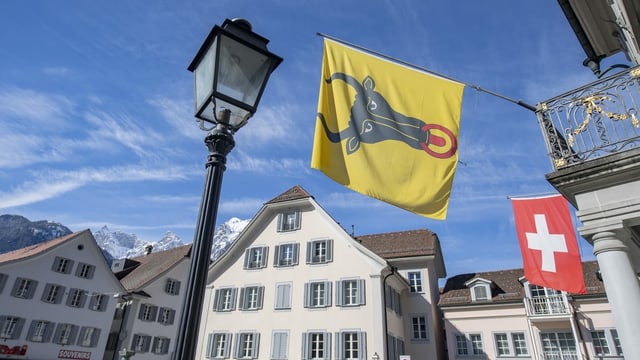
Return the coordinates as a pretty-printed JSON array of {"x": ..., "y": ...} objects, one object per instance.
[
  {"x": 17, "y": 232},
  {"x": 124, "y": 245}
]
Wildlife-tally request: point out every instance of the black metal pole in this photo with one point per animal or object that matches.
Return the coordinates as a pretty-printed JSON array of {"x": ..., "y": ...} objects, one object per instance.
[{"x": 220, "y": 142}]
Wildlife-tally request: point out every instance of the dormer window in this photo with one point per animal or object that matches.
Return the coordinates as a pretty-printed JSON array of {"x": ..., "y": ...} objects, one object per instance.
[
  {"x": 289, "y": 221},
  {"x": 480, "y": 289}
]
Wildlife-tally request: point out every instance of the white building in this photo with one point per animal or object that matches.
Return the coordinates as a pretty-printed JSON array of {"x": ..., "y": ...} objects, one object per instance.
[
  {"x": 56, "y": 300},
  {"x": 146, "y": 320},
  {"x": 296, "y": 285}
]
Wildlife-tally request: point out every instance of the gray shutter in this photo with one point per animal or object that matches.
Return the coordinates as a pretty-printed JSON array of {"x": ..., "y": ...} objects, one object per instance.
[
  {"x": 154, "y": 313},
  {"x": 362, "y": 343},
  {"x": 330, "y": 250},
  {"x": 103, "y": 303},
  {"x": 327, "y": 293},
  {"x": 339, "y": 291},
  {"x": 32, "y": 328},
  {"x": 45, "y": 292},
  {"x": 309, "y": 252},
  {"x": 16, "y": 287},
  {"x": 209, "y": 353},
  {"x": 234, "y": 293},
  {"x": 280, "y": 222},
  {"x": 256, "y": 345},
  {"x": 58, "y": 332},
  {"x": 361, "y": 296},
  {"x": 241, "y": 303},
  {"x": 305, "y": 346},
  {"x": 18, "y": 329},
  {"x": 134, "y": 341},
  {"x": 60, "y": 294},
  {"x": 236, "y": 347},
  {"x": 339, "y": 345},
  {"x": 73, "y": 334},
  {"x": 276, "y": 256},
  {"x": 327, "y": 348},
  {"x": 3, "y": 281},
  {"x": 147, "y": 343},
  {"x": 32, "y": 289},
  {"x": 280, "y": 345},
  {"x": 48, "y": 332},
  {"x": 95, "y": 336},
  {"x": 296, "y": 249},
  {"x": 260, "y": 296},
  {"x": 265, "y": 254},
  {"x": 165, "y": 346},
  {"x": 227, "y": 345},
  {"x": 176, "y": 287},
  {"x": 216, "y": 300},
  {"x": 298, "y": 219},
  {"x": 56, "y": 261},
  {"x": 247, "y": 258},
  {"x": 172, "y": 316},
  {"x": 141, "y": 311},
  {"x": 307, "y": 296}
]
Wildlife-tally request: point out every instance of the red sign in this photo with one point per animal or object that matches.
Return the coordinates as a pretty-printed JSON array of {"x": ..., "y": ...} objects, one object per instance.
[
  {"x": 16, "y": 350},
  {"x": 73, "y": 354}
]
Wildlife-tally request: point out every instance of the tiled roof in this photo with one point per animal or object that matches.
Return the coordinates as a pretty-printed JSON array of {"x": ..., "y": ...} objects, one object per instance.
[
  {"x": 36, "y": 249},
  {"x": 401, "y": 244},
  {"x": 151, "y": 266},
  {"x": 296, "y": 192},
  {"x": 506, "y": 286}
]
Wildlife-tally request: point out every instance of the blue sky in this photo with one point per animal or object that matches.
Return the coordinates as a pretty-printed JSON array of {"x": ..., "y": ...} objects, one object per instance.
[{"x": 97, "y": 126}]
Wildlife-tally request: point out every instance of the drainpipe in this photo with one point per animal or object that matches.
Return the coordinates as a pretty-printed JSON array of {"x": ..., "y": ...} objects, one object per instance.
[
  {"x": 384, "y": 300},
  {"x": 574, "y": 320}
]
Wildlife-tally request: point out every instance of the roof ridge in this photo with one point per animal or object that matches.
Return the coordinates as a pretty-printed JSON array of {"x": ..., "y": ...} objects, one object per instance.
[{"x": 294, "y": 193}]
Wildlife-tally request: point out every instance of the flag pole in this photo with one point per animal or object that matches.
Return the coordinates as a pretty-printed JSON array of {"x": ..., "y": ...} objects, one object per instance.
[{"x": 416, "y": 67}]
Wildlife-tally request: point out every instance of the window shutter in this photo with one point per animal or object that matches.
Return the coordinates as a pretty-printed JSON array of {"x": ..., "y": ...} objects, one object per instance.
[
  {"x": 59, "y": 294},
  {"x": 147, "y": 343},
  {"x": 176, "y": 291},
  {"x": 216, "y": 300},
  {"x": 279, "y": 348},
  {"x": 247, "y": 258},
  {"x": 32, "y": 289},
  {"x": 141, "y": 311},
  {"x": 329, "y": 250},
  {"x": 280, "y": 223},
  {"x": 236, "y": 348},
  {"x": 103, "y": 303},
  {"x": 165, "y": 345},
  {"x": 48, "y": 332},
  {"x": 309, "y": 252},
  {"x": 234, "y": 293},
  {"x": 307, "y": 296},
  {"x": 256, "y": 345},
  {"x": 209, "y": 346},
  {"x": 95, "y": 336},
  {"x": 242, "y": 304},
  {"x": 327, "y": 293},
  {"x": 305, "y": 346},
  {"x": 45, "y": 293},
  {"x": 361, "y": 293},
  {"x": 227, "y": 345},
  {"x": 154, "y": 313},
  {"x": 296, "y": 250},
  {"x": 339, "y": 291},
  {"x": 18, "y": 329},
  {"x": 56, "y": 261},
  {"x": 276, "y": 256},
  {"x": 3, "y": 281},
  {"x": 260, "y": 296},
  {"x": 73, "y": 334},
  {"x": 339, "y": 346},
  {"x": 172, "y": 315},
  {"x": 32, "y": 328},
  {"x": 362, "y": 345},
  {"x": 327, "y": 343},
  {"x": 298, "y": 217},
  {"x": 265, "y": 253}
]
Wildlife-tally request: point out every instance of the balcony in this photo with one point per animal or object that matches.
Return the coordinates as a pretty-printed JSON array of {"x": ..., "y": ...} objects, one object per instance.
[
  {"x": 541, "y": 306},
  {"x": 560, "y": 355},
  {"x": 593, "y": 121}
]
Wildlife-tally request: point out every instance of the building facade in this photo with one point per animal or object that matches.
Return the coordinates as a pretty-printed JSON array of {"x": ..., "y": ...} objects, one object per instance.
[
  {"x": 146, "y": 320},
  {"x": 56, "y": 300},
  {"x": 296, "y": 285},
  {"x": 500, "y": 315}
]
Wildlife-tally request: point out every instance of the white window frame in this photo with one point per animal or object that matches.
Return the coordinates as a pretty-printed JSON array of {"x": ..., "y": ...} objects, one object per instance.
[
  {"x": 317, "y": 294},
  {"x": 218, "y": 345},
  {"x": 225, "y": 299},
  {"x": 172, "y": 287},
  {"x": 76, "y": 298},
  {"x": 319, "y": 251},
  {"x": 24, "y": 288},
  {"x": 247, "y": 345},
  {"x": 351, "y": 345},
  {"x": 289, "y": 221},
  {"x": 62, "y": 265},
  {"x": 415, "y": 282},
  {"x": 316, "y": 345},
  {"x": 510, "y": 344},
  {"x": 467, "y": 345},
  {"x": 251, "y": 298},
  {"x": 85, "y": 271},
  {"x": 350, "y": 292},
  {"x": 53, "y": 293},
  {"x": 256, "y": 257},
  {"x": 286, "y": 255},
  {"x": 611, "y": 341},
  {"x": 560, "y": 343},
  {"x": 419, "y": 327}
]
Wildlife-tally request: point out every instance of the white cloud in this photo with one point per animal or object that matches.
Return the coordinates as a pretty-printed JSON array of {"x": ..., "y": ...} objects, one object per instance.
[
  {"x": 282, "y": 166},
  {"x": 241, "y": 206},
  {"x": 32, "y": 108},
  {"x": 179, "y": 114}
]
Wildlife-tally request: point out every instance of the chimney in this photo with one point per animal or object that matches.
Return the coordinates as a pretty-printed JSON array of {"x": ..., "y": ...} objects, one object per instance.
[{"x": 148, "y": 249}]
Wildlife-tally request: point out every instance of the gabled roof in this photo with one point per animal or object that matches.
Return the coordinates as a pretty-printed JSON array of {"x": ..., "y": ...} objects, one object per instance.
[
  {"x": 149, "y": 267},
  {"x": 402, "y": 243},
  {"x": 294, "y": 193},
  {"x": 37, "y": 249},
  {"x": 507, "y": 286}
]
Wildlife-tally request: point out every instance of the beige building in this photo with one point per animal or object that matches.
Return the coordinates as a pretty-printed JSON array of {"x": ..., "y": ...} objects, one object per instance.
[
  {"x": 56, "y": 300},
  {"x": 296, "y": 285},
  {"x": 500, "y": 315}
]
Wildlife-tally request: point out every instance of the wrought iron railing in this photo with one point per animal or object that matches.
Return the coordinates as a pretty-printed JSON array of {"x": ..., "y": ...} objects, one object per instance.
[
  {"x": 596, "y": 120},
  {"x": 547, "y": 305},
  {"x": 560, "y": 355}
]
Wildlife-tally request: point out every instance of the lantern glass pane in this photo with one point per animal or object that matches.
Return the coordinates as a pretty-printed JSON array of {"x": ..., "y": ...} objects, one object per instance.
[
  {"x": 203, "y": 76},
  {"x": 242, "y": 71}
]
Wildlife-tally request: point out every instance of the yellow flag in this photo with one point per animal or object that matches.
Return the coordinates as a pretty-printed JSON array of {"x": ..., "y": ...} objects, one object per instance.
[{"x": 386, "y": 130}]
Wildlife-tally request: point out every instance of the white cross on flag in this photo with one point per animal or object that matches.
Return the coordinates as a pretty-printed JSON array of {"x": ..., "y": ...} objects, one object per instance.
[{"x": 548, "y": 243}]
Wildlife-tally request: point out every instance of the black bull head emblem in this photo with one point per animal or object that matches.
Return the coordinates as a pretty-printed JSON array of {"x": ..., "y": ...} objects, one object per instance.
[{"x": 373, "y": 120}]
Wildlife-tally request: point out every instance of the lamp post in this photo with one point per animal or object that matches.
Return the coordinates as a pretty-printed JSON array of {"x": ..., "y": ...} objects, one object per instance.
[{"x": 230, "y": 71}]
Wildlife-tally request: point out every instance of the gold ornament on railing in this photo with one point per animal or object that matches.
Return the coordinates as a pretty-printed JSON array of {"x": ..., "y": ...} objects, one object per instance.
[{"x": 591, "y": 103}]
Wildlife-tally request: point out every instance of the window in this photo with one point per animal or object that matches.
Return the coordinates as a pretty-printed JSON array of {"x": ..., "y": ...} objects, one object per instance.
[
  {"x": 415, "y": 281},
  {"x": 251, "y": 298},
  {"x": 606, "y": 342},
  {"x": 316, "y": 346},
  {"x": 141, "y": 343},
  {"x": 62, "y": 265},
  {"x": 286, "y": 255},
  {"x": 393, "y": 299},
  {"x": 247, "y": 345},
  {"x": 317, "y": 294},
  {"x": 98, "y": 302},
  {"x": 53, "y": 293},
  {"x": 76, "y": 298},
  {"x": 147, "y": 312},
  {"x": 350, "y": 292},
  {"x": 172, "y": 287},
  {"x": 24, "y": 288},
  {"x": 320, "y": 251},
  {"x": 351, "y": 345},
  {"x": 461, "y": 345},
  {"x": 218, "y": 345},
  {"x": 224, "y": 300},
  {"x": 558, "y": 344},
  {"x": 480, "y": 292},
  {"x": 476, "y": 344},
  {"x": 283, "y": 296},
  {"x": 65, "y": 334},
  {"x": 289, "y": 221},
  {"x": 3, "y": 281},
  {"x": 161, "y": 345},
  {"x": 280, "y": 345},
  {"x": 85, "y": 271},
  {"x": 511, "y": 344},
  {"x": 88, "y": 336},
  {"x": 40, "y": 331},
  {"x": 256, "y": 258},
  {"x": 10, "y": 327},
  {"x": 464, "y": 342},
  {"x": 419, "y": 325},
  {"x": 167, "y": 316}
]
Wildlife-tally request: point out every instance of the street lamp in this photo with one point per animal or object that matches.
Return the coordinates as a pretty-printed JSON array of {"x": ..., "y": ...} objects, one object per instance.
[{"x": 230, "y": 72}]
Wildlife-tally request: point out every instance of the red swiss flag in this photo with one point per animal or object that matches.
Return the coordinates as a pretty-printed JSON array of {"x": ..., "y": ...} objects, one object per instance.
[{"x": 548, "y": 243}]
